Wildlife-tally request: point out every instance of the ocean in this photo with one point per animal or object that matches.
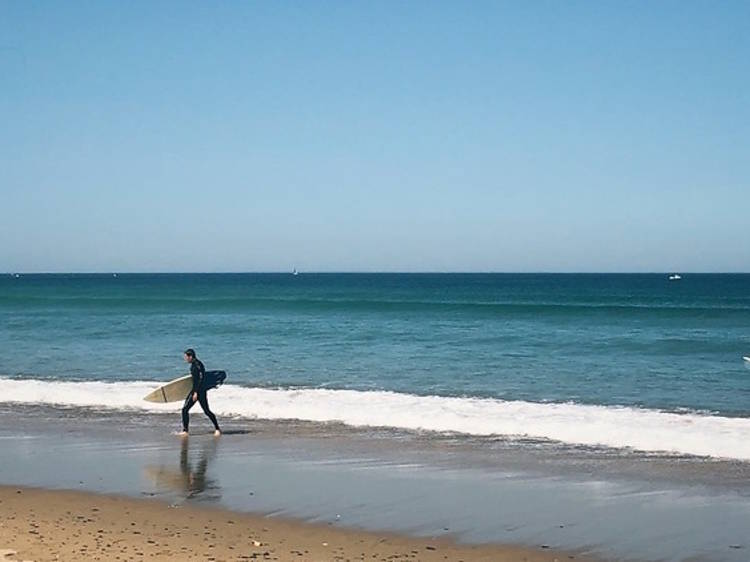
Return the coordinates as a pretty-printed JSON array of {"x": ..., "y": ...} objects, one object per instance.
[{"x": 626, "y": 362}]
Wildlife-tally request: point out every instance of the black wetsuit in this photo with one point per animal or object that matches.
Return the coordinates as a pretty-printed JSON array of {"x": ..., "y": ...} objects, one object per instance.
[{"x": 198, "y": 371}]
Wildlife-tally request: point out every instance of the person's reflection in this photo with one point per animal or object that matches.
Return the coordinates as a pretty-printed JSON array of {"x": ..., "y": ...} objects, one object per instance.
[
  {"x": 194, "y": 476},
  {"x": 190, "y": 482}
]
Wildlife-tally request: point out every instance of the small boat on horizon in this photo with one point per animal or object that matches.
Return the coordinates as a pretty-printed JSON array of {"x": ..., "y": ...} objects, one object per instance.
[
  {"x": 295, "y": 272},
  {"x": 675, "y": 277}
]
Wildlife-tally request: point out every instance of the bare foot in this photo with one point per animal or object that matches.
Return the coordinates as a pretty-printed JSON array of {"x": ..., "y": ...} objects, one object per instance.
[{"x": 217, "y": 432}]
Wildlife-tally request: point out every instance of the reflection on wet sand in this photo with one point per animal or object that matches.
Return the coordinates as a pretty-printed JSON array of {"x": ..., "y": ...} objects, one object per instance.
[
  {"x": 622, "y": 506},
  {"x": 190, "y": 481}
]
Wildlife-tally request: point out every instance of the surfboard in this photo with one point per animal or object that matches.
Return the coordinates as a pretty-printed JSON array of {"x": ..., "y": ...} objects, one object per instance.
[
  {"x": 173, "y": 391},
  {"x": 747, "y": 359}
]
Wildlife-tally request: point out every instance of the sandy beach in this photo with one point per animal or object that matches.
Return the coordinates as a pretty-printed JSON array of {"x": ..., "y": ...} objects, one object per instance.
[{"x": 44, "y": 525}]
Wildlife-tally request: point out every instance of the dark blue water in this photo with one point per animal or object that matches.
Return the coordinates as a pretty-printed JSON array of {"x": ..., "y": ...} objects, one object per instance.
[{"x": 637, "y": 340}]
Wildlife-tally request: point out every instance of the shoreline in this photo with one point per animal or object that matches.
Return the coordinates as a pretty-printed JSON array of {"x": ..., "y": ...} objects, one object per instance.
[
  {"x": 404, "y": 485},
  {"x": 41, "y": 524},
  {"x": 686, "y": 433}
]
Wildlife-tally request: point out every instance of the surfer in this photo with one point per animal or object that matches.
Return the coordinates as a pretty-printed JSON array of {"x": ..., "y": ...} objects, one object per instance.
[{"x": 198, "y": 393}]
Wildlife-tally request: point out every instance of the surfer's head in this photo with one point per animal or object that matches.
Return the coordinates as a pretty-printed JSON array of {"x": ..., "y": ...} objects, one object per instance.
[{"x": 189, "y": 355}]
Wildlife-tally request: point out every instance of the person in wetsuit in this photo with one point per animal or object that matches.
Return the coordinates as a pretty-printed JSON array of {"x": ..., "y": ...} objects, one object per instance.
[{"x": 197, "y": 394}]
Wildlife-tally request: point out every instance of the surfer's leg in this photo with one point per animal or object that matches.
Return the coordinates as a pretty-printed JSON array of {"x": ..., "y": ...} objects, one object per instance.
[
  {"x": 185, "y": 409},
  {"x": 203, "y": 399}
]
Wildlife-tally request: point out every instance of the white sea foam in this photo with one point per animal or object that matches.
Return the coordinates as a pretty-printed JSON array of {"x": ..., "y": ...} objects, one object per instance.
[{"x": 619, "y": 427}]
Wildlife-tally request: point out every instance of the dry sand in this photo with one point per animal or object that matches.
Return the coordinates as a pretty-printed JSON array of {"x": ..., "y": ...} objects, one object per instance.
[{"x": 42, "y": 525}]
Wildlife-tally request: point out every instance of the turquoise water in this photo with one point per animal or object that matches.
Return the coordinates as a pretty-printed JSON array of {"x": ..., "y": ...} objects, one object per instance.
[
  {"x": 591, "y": 339},
  {"x": 626, "y": 361}
]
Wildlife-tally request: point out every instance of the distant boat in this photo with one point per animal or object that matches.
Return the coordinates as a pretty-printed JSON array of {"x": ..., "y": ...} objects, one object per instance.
[
  {"x": 114, "y": 275},
  {"x": 295, "y": 272},
  {"x": 17, "y": 275},
  {"x": 675, "y": 277}
]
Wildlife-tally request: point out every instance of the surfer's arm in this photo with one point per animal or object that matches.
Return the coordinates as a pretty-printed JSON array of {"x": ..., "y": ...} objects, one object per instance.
[
  {"x": 201, "y": 376},
  {"x": 197, "y": 374}
]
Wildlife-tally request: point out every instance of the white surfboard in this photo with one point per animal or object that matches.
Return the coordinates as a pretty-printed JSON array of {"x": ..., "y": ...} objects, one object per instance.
[
  {"x": 173, "y": 391},
  {"x": 747, "y": 359}
]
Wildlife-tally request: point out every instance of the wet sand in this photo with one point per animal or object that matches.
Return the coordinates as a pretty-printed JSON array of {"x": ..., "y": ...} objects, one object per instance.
[
  {"x": 391, "y": 485},
  {"x": 44, "y": 525}
]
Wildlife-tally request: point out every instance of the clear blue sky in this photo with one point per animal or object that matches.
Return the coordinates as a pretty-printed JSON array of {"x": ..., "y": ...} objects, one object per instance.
[{"x": 369, "y": 136}]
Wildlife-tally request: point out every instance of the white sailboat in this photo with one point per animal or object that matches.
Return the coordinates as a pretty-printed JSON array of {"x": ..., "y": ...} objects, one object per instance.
[{"x": 675, "y": 277}]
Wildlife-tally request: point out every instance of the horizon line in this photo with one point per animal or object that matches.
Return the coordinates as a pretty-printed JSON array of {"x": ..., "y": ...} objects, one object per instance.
[{"x": 374, "y": 272}]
